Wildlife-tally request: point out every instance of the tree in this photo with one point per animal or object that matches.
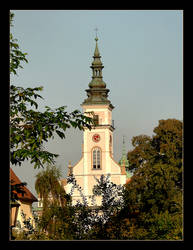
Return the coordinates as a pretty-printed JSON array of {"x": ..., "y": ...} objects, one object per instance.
[
  {"x": 91, "y": 221},
  {"x": 30, "y": 129},
  {"x": 154, "y": 194},
  {"x": 80, "y": 221},
  {"x": 54, "y": 198},
  {"x": 47, "y": 182}
]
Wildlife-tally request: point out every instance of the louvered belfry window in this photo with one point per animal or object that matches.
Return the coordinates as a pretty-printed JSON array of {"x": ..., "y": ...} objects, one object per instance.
[
  {"x": 96, "y": 120},
  {"x": 96, "y": 159}
]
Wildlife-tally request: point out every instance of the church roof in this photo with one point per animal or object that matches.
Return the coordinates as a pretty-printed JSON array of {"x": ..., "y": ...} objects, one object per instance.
[
  {"x": 28, "y": 196},
  {"x": 97, "y": 92},
  {"x": 128, "y": 180}
]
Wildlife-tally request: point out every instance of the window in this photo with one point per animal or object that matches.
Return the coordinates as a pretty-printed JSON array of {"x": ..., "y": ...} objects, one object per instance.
[
  {"x": 97, "y": 72},
  {"x": 96, "y": 158},
  {"x": 96, "y": 120}
]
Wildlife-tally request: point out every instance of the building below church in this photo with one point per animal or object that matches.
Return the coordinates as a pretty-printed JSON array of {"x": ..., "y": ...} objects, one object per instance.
[
  {"x": 97, "y": 149},
  {"x": 24, "y": 203}
]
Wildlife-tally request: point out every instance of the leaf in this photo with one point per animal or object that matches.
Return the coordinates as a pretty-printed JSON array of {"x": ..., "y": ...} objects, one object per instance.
[
  {"x": 74, "y": 124},
  {"x": 60, "y": 134}
]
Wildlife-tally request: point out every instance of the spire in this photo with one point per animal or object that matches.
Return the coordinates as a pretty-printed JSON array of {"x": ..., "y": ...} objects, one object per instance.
[
  {"x": 97, "y": 92},
  {"x": 124, "y": 153},
  {"x": 96, "y": 52},
  {"x": 123, "y": 161},
  {"x": 97, "y": 67}
]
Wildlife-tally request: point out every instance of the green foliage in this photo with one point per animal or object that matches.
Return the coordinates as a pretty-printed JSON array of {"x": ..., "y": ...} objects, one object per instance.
[
  {"x": 16, "y": 55},
  {"x": 79, "y": 221},
  {"x": 47, "y": 182},
  {"x": 30, "y": 128},
  {"x": 165, "y": 226},
  {"x": 152, "y": 199},
  {"x": 56, "y": 216},
  {"x": 155, "y": 190}
]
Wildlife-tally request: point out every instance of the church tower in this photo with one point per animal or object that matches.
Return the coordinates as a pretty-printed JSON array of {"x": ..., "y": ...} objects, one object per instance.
[
  {"x": 125, "y": 163},
  {"x": 97, "y": 149}
]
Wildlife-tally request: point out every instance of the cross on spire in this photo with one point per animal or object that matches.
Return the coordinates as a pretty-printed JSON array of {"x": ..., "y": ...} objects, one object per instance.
[{"x": 96, "y": 29}]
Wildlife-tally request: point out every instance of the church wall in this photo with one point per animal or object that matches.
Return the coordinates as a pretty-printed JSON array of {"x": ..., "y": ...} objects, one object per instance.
[
  {"x": 78, "y": 167},
  {"x": 83, "y": 171},
  {"x": 123, "y": 179},
  {"x": 115, "y": 168},
  {"x": 88, "y": 149},
  {"x": 103, "y": 112},
  {"x": 91, "y": 183},
  {"x": 109, "y": 117},
  {"x": 68, "y": 188},
  {"x": 115, "y": 179},
  {"x": 80, "y": 182}
]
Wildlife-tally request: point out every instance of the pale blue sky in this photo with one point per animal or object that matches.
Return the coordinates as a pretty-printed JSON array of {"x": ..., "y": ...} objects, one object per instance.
[{"x": 142, "y": 54}]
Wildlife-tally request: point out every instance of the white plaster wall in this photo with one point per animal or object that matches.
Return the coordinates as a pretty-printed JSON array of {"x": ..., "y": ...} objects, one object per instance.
[{"x": 83, "y": 171}]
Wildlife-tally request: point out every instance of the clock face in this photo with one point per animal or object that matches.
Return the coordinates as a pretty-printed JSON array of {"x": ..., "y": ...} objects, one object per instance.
[{"x": 96, "y": 138}]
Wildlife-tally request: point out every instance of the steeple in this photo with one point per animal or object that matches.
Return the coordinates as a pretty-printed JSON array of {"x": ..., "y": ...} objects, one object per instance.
[
  {"x": 97, "y": 92},
  {"x": 96, "y": 52},
  {"x": 123, "y": 161}
]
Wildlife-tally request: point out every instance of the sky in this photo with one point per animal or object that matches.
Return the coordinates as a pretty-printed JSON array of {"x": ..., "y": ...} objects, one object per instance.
[{"x": 142, "y": 54}]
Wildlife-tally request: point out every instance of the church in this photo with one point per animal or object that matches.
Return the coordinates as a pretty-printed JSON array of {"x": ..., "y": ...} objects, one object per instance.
[{"x": 97, "y": 149}]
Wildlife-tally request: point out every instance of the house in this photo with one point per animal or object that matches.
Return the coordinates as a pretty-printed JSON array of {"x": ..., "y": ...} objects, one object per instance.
[{"x": 25, "y": 202}]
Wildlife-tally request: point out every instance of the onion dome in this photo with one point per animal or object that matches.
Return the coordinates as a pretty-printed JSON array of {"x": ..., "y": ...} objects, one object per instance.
[
  {"x": 97, "y": 92},
  {"x": 97, "y": 66}
]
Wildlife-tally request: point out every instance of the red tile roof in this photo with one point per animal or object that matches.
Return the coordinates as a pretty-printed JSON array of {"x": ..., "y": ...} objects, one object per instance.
[
  {"x": 28, "y": 196},
  {"x": 128, "y": 180}
]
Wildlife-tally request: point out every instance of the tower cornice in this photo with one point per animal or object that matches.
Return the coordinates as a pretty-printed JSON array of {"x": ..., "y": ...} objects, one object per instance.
[{"x": 96, "y": 106}]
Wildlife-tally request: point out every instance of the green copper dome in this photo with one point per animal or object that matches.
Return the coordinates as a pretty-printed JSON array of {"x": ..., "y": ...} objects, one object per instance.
[{"x": 97, "y": 83}]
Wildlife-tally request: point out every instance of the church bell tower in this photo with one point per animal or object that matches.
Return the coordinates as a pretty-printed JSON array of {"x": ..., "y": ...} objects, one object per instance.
[{"x": 97, "y": 149}]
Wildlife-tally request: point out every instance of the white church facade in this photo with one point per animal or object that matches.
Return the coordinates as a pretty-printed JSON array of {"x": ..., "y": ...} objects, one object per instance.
[{"x": 97, "y": 149}]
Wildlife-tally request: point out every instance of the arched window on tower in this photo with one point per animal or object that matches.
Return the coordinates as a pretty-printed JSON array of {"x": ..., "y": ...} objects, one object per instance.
[{"x": 96, "y": 158}]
